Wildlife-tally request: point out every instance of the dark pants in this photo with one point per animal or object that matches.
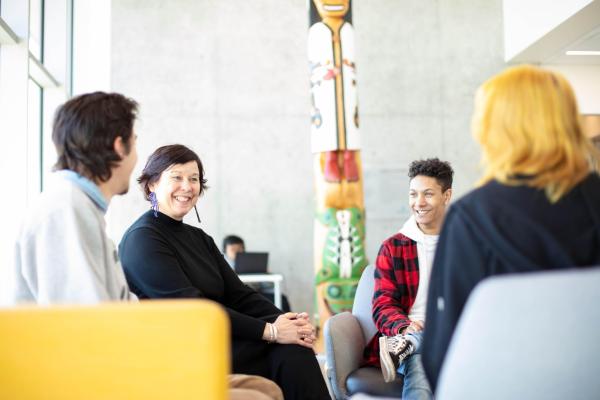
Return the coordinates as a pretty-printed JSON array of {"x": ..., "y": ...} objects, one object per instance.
[{"x": 294, "y": 368}]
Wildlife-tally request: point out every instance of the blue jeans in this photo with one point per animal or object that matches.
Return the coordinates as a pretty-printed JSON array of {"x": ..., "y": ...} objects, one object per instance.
[
  {"x": 415, "y": 338},
  {"x": 416, "y": 385}
]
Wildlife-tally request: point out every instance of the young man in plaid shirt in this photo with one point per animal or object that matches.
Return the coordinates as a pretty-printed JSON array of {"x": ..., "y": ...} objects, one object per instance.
[{"x": 402, "y": 273}]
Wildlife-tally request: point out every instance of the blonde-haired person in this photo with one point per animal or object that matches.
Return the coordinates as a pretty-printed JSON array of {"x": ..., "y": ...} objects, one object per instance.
[{"x": 537, "y": 206}]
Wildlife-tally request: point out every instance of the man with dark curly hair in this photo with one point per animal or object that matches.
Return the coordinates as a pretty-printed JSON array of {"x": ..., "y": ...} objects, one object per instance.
[{"x": 402, "y": 272}]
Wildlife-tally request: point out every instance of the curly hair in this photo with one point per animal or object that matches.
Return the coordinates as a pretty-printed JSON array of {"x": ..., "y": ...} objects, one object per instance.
[{"x": 434, "y": 168}]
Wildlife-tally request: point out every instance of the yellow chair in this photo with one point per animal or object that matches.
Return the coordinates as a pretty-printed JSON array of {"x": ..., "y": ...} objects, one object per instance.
[{"x": 150, "y": 350}]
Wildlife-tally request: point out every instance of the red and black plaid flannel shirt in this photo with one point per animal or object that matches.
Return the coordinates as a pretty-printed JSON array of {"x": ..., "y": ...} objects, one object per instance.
[{"x": 396, "y": 284}]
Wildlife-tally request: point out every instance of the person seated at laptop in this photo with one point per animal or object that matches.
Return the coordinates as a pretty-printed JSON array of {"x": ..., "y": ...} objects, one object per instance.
[
  {"x": 165, "y": 258},
  {"x": 232, "y": 245}
]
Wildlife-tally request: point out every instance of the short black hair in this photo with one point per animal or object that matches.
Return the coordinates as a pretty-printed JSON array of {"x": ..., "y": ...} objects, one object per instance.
[
  {"x": 232, "y": 239},
  {"x": 434, "y": 168},
  {"x": 85, "y": 129},
  {"x": 162, "y": 159}
]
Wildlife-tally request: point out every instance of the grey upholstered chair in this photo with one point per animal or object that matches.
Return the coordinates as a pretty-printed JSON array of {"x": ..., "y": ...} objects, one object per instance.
[
  {"x": 527, "y": 336},
  {"x": 346, "y": 335}
]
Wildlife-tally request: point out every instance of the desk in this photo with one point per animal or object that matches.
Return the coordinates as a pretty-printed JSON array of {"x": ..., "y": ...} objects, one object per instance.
[{"x": 275, "y": 279}]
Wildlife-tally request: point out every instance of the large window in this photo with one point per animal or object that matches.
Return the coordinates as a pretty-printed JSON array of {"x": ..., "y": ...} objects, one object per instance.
[
  {"x": 35, "y": 132},
  {"x": 41, "y": 66},
  {"x": 36, "y": 29},
  {"x": 35, "y": 77}
]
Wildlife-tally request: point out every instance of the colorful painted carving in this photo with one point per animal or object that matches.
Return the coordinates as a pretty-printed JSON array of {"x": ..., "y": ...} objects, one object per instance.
[
  {"x": 335, "y": 141},
  {"x": 334, "y": 128},
  {"x": 342, "y": 257}
]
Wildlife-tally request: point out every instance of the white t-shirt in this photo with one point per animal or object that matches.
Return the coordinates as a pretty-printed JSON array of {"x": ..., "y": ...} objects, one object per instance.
[{"x": 425, "y": 252}]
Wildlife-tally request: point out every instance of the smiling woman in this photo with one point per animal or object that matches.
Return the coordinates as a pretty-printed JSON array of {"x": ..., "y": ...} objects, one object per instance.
[
  {"x": 172, "y": 180},
  {"x": 166, "y": 258},
  {"x": 178, "y": 189}
]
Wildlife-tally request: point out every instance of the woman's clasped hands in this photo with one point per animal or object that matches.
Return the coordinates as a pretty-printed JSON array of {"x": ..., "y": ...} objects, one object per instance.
[{"x": 295, "y": 328}]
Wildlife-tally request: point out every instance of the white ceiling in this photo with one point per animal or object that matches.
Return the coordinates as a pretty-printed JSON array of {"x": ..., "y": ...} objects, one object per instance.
[
  {"x": 589, "y": 42},
  {"x": 580, "y": 32}
]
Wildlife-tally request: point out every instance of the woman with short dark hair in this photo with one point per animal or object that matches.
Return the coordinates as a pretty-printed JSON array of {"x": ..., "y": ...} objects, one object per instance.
[{"x": 166, "y": 258}]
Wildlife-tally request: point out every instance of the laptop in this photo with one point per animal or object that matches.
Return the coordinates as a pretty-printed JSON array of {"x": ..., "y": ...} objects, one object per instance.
[{"x": 251, "y": 263}]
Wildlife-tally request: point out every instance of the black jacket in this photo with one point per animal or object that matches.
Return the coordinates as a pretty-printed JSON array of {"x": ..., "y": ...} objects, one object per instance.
[{"x": 499, "y": 229}]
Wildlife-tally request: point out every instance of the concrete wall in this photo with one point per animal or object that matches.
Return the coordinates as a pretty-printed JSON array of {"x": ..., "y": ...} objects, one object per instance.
[{"x": 230, "y": 79}]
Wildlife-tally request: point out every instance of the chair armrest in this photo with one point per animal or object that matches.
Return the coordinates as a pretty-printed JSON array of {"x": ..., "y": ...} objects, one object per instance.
[
  {"x": 170, "y": 349},
  {"x": 344, "y": 346}
]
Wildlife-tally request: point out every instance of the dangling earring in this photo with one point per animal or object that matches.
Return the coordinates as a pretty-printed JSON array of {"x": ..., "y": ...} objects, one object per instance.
[
  {"x": 197, "y": 215},
  {"x": 154, "y": 203}
]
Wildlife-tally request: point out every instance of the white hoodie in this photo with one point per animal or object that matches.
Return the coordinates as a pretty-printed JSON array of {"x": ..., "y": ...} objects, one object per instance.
[{"x": 426, "y": 245}]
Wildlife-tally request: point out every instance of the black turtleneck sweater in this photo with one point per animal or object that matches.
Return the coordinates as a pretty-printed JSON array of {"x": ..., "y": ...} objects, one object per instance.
[{"x": 165, "y": 258}]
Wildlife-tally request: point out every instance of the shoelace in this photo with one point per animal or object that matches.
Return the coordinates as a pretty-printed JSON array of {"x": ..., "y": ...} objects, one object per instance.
[{"x": 396, "y": 344}]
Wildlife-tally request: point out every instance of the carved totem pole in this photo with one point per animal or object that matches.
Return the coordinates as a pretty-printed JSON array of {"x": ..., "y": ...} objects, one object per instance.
[{"x": 339, "y": 234}]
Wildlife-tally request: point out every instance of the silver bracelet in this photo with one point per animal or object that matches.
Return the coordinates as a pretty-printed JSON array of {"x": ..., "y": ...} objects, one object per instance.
[
  {"x": 275, "y": 333},
  {"x": 271, "y": 337}
]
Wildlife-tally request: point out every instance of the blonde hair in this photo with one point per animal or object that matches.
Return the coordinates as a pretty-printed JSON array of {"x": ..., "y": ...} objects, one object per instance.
[{"x": 528, "y": 125}]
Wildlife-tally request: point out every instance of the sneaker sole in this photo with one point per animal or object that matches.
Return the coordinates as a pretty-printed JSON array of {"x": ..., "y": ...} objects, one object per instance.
[{"x": 387, "y": 365}]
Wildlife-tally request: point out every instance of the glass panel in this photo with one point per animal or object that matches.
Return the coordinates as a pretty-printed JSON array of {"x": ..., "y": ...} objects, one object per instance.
[
  {"x": 70, "y": 38},
  {"x": 34, "y": 136},
  {"x": 36, "y": 28}
]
